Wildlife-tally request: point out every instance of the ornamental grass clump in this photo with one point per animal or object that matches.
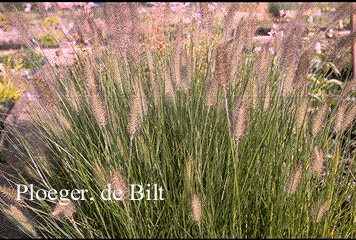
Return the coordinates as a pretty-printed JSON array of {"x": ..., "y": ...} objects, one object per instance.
[{"x": 195, "y": 147}]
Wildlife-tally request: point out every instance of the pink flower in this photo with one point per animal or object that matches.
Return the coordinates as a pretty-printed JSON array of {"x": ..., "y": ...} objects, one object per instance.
[
  {"x": 212, "y": 6},
  {"x": 158, "y": 9},
  {"x": 47, "y": 5},
  {"x": 177, "y": 7},
  {"x": 186, "y": 20},
  {"x": 142, "y": 10},
  {"x": 318, "y": 13},
  {"x": 197, "y": 16}
]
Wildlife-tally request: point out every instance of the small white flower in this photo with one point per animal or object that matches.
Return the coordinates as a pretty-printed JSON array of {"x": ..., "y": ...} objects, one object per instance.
[
  {"x": 318, "y": 13},
  {"x": 330, "y": 33},
  {"x": 28, "y": 7},
  {"x": 318, "y": 48},
  {"x": 341, "y": 24},
  {"x": 258, "y": 49},
  {"x": 281, "y": 12},
  {"x": 271, "y": 50},
  {"x": 310, "y": 19},
  {"x": 272, "y": 32}
]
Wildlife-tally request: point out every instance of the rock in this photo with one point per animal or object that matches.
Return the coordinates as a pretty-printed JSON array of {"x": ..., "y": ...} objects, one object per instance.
[
  {"x": 18, "y": 120},
  {"x": 37, "y": 99}
]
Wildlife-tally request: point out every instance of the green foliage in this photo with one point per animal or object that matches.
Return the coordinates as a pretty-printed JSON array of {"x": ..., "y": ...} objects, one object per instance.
[
  {"x": 324, "y": 78},
  {"x": 274, "y": 7},
  {"x": 8, "y": 92},
  {"x": 49, "y": 21},
  {"x": 10, "y": 61},
  {"x": 25, "y": 58},
  {"x": 46, "y": 40},
  {"x": 32, "y": 59}
]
